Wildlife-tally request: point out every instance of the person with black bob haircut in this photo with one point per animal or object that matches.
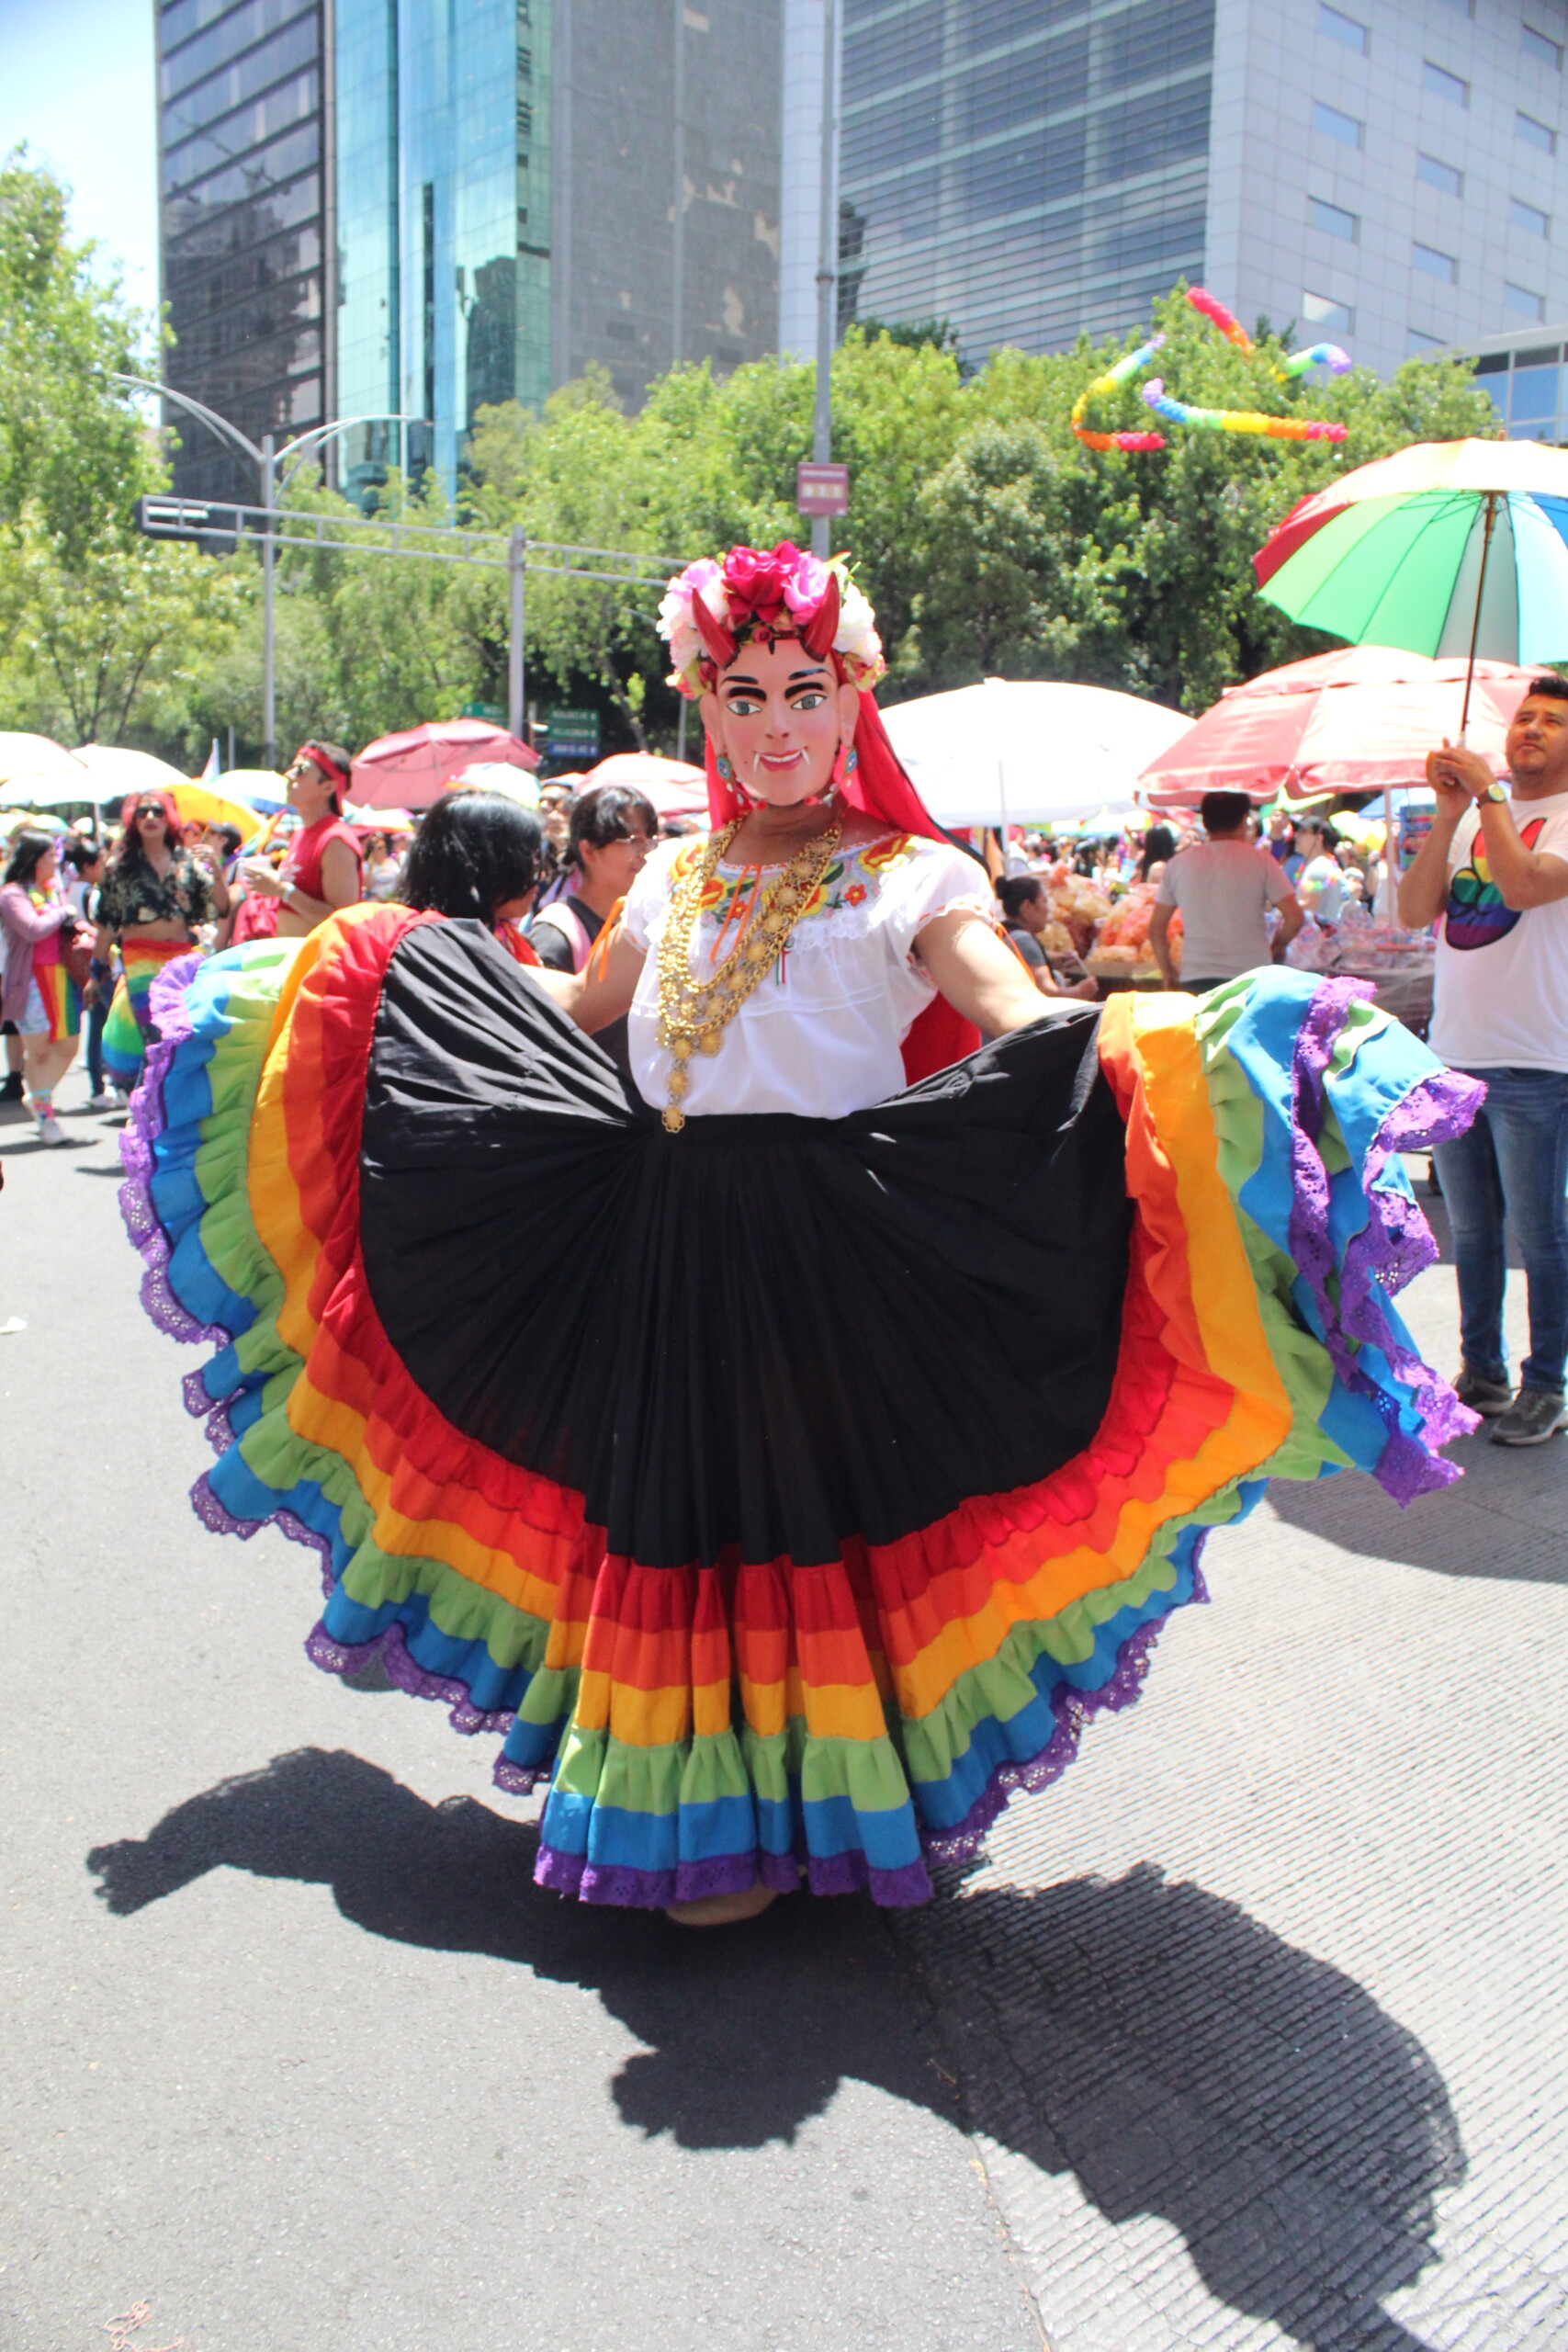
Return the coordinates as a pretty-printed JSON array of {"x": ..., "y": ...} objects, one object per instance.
[{"x": 477, "y": 856}]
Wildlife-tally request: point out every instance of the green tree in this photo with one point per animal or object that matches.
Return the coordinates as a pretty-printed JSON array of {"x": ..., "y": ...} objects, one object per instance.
[
  {"x": 103, "y": 634},
  {"x": 1045, "y": 559}
]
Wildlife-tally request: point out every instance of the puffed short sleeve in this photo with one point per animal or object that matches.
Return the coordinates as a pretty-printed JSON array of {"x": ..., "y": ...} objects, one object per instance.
[
  {"x": 934, "y": 879},
  {"x": 649, "y": 894}
]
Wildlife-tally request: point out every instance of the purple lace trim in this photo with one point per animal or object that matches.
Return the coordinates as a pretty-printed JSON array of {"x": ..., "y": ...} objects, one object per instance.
[
  {"x": 391, "y": 1649},
  {"x": 1073, "y": 1709},
  {"x": 147, "y": 1123},
  {"x": 728, "y": 1874},
  {"x": 217, "y": 1516},
  {"x": 1393, "y": 1246},
  {"x": 519, "y": 1780},
  {"x": 1396, "y": 1246}
]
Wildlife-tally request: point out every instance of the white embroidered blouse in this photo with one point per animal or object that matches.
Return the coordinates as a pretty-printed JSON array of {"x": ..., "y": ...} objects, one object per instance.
[{"x": 821, "y": 1036}]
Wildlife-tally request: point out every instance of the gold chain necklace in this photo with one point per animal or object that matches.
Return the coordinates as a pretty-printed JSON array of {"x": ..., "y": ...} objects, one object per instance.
[{"x": 694, "y": 1014}]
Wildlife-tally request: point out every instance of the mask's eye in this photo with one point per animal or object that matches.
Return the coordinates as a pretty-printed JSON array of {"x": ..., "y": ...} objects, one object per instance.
[
  {"x": 811, "y": 698},
  {"x": 743, "y": 706}
]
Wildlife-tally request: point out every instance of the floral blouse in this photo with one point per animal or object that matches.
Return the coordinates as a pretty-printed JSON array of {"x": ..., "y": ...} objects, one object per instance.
[
  {"x": 132, "y": 895},
  {"x": 821, "y": 1036}
]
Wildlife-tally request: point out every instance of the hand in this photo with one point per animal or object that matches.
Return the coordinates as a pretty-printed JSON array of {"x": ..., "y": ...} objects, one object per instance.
[
  {"x": 259, "y": 876},
  {"x": 1455, "y": 770}
]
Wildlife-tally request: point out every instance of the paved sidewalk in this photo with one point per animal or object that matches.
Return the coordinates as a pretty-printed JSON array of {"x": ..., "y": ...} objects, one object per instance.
[
  {"x": 1259, "y": 2013},
  {"x": 1247, "y": 2034}
]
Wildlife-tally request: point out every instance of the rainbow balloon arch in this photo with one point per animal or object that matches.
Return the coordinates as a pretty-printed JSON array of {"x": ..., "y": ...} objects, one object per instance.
[{"x": 1207, "y": 420}]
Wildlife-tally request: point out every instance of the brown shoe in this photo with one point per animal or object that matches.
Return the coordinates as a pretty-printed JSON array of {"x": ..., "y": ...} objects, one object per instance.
[{"x": 720, "y": 1910}]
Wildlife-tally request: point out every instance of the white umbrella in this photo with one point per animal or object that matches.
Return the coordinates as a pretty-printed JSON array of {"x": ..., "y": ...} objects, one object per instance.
[
  {"x": 36, "y": 771},
  {"x": 1023, "y": 752},
  {"x": 33, "y": 755},
  {"x": 495, "y": 775},
  {"x": 116, "y": 771}
]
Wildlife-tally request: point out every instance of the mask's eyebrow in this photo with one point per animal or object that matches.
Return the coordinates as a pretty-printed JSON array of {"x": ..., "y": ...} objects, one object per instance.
[
  {"x": 797, "y": 675},
  {"x": 738, "y": 678}
]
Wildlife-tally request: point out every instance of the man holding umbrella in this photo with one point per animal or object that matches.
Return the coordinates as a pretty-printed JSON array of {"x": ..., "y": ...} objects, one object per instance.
[{"x": 1494, "y": 870}]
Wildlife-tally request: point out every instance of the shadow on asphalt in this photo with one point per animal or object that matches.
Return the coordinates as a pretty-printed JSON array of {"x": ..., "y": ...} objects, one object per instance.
[
  {"x": 1523, "y": 1490},
  {"x": 1171, "y": 2054}
]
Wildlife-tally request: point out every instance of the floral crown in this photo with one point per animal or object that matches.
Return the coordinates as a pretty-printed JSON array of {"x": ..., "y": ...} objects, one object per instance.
[{"x": 712, "y": 606}]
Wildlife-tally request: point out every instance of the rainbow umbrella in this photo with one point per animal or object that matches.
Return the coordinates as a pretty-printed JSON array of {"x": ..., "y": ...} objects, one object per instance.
[{"x": 1455, "y": 547}]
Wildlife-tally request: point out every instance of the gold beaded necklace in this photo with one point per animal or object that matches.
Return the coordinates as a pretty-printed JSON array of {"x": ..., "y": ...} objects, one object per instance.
[{"x": 694, "y": 1014}]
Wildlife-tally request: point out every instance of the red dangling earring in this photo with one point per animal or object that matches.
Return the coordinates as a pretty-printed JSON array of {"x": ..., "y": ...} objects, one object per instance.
[{"x": 844, "y": 767}]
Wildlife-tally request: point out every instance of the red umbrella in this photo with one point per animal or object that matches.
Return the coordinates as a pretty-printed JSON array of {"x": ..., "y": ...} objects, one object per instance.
[
  {"x": 674, "y": 787},
  {"x": 411, "y": 770},
  {"x": 1360, "y": 719}
]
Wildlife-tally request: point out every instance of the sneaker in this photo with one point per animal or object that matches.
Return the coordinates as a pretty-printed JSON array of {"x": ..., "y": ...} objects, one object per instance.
[
  {"x": 50, "y": 1129},
  {"x": 1487, "y": 1397},
  {"x": 1535, "y": 1414},
  {"x": 105, "y": 1100},
  {"x": 12, "y": 1090}
]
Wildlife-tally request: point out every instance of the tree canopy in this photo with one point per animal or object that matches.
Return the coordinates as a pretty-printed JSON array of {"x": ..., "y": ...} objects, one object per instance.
[{"x": 987, "y": 536}]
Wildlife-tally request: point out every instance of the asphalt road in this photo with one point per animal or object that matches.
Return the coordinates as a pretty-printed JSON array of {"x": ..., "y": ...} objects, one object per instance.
[{"x": 1248, "y": 2034}]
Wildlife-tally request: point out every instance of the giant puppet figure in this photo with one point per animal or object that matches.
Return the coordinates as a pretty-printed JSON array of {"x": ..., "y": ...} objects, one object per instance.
[{"x": 784, "y": 1456}]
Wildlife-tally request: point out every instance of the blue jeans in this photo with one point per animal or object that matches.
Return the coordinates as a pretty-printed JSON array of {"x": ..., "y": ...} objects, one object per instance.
[{"x": 1513, "y": 1163}]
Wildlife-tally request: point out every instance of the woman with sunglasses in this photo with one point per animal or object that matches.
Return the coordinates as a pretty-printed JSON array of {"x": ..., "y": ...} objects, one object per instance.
[{"x": 153, "y": 898}]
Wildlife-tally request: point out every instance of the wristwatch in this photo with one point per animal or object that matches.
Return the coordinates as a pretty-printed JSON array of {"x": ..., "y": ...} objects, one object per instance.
[{"x": 1496, "y": 791}]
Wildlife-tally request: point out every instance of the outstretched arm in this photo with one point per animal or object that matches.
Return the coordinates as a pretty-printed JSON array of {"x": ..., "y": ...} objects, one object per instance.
[
  {"x": 603, "y": 992},
  {"x": 980, "y": 977}
]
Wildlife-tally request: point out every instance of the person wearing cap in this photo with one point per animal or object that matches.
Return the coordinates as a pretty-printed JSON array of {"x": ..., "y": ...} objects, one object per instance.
[{"x": 325, "y": 866}]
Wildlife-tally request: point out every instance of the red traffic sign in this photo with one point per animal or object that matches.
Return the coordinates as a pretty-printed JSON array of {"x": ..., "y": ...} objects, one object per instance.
[{"x": 821, "y": 490}]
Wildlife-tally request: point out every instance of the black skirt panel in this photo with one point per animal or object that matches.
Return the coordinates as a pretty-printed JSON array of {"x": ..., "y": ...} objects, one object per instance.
[{"x": 762, "y": 1335}]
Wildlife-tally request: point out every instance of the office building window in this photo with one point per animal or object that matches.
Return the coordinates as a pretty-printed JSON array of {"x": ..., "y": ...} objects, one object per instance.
[
  {"x": 1535, "y": 134},
  {"x": 1540, "y": 48},
  {"x": 1436, "y": 264},
  {"x": 1444, "y": 85},
  {"x": 1333, "y": 219},
  {"x": 1520, "y": 300},
  {"x": 1532, "y": 390},
  {"x": 1439, "y": 174},
  {"x": 1335, "y": 125},
  {"x": 1322, "y": 311},
  {"x": 1348, "y": 31},
  {"x": 1529, "y": 217},
  {"x": 1418, "y": 343}
]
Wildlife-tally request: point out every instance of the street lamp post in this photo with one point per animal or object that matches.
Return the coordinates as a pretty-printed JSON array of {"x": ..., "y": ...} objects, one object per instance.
[
  {"x": 826, "y": 265},
  {"x": 266, "y": 460}
]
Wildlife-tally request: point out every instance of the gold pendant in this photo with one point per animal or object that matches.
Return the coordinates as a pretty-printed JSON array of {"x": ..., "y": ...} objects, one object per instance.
[
  {"x": 709, "y": 1042},
  {"x": 674, "y": 1120}
]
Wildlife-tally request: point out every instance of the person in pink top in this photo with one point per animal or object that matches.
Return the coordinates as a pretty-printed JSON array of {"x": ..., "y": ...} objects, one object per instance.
[
  {"x": 325, "y": 866},
  {"x": 39, "y": 999}
]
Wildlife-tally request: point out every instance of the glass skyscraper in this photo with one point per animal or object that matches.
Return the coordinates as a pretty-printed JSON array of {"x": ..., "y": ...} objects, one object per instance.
[
  {"x": 1021, "y": 168},
  {"x": 1388, "y": 176},
  {"x": 402, "y": 210},
  {"x": 244, "y": 185}
]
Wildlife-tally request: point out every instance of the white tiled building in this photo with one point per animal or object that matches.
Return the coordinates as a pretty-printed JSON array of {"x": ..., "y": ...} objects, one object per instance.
[{"x": 1388, "y": 173}]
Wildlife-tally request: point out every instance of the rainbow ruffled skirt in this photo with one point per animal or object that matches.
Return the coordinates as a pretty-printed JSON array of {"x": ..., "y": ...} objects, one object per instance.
[{"x": 787, "y": 1492}]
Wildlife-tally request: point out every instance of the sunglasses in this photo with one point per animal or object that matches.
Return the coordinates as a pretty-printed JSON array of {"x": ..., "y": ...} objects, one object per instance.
[{"x": 152, "y": 810}]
